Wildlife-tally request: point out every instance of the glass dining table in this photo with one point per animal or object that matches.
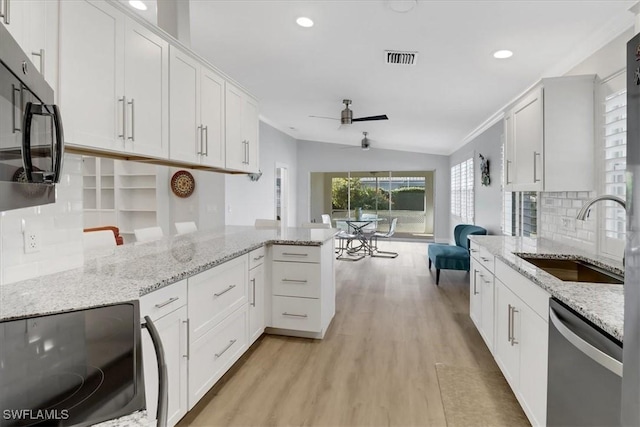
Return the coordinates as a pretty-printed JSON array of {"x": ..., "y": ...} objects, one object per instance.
[{"x": 357, "y": 228}]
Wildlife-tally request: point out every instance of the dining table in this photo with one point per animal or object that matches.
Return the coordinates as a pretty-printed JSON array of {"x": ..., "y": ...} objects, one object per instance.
[{"x": 357, "y": 226}]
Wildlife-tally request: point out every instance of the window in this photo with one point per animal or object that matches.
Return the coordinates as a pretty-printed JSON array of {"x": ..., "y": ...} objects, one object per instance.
[
  {"x": 614, "y": 144},
  {"x": 462, "y": 200}
]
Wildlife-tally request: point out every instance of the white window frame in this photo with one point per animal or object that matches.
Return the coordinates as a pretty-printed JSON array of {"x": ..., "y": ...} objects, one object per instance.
[{"x": 462, "y": 206}]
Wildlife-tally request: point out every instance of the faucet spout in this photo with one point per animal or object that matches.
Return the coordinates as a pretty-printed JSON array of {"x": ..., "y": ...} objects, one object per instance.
[{"x": 582, "y": 215}]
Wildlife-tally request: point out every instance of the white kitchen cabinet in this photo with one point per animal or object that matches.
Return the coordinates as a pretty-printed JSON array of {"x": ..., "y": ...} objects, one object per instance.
[
  {"x": 124, "y": 68},
  {"x": 167, "y": 309},
  {"x": 548, "y": 132},
  {"x": 475, "y": 301},
  {"x": 508, "y": 337},
  {"x": 481, "y": 293},
  {"x": 257, "y": 301},
  {"x": 241, "y": 126},
  {"x": 197, "y": 111}
]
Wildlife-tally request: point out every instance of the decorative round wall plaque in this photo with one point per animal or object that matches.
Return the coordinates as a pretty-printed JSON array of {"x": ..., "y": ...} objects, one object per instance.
[{"x": 183, "y": 184}]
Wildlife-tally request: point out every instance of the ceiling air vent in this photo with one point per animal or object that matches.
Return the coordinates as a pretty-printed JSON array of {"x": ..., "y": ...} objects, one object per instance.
[{"x": 400, "y": 57}]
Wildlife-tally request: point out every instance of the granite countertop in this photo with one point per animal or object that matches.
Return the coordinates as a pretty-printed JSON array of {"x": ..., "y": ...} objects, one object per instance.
[
  {"x": 127, "y": 272},
  {"x": 136, "y": 419},
  {"x": 601, "y": 303}
]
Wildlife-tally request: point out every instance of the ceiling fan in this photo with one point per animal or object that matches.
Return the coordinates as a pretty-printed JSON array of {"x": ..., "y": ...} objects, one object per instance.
[
  {"x": 346, "y": 116},
  {"x": 365, "y": 143}
]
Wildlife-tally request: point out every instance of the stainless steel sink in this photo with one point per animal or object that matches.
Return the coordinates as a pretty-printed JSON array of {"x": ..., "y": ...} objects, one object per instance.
[{"x": 574, "y": 270}]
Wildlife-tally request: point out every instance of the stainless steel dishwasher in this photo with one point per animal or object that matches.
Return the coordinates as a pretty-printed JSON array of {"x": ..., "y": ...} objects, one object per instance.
[{"x": 585, "y": 371}]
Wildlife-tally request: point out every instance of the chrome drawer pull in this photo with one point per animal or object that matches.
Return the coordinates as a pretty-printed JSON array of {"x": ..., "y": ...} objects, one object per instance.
[
  {"x": 133, "y": 120},
  {"x": 294, "y": 315},
  {"x": 473, "y": 250},
  {"x": 232, "y": 342},
  {"x": 485, "y": 259},
  {"x": 293, "y": 254},
  {"x": 167, "y": 302},
  {"x": 225, "y": 291},
  {"x": 258, "y": 258},
  {"x": 509, "y": 324},
  {"x": 186, "y": 322},
  {"x": 293, "y": 281},
  {"x": 253, "y": 303},
  {"x": 513, "y": 322}
]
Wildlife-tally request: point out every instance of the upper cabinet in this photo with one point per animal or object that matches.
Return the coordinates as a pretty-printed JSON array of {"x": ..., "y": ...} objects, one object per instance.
[
  {"x": 549, "y": 137},
  {"x": 34, "y": 25},
  {"x": 113, "y": 81},
  {"x": 196, "y": 112},
  {"x": 242, "y": 130}
]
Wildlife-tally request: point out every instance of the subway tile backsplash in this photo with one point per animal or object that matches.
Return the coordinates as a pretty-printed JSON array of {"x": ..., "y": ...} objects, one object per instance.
[
  {"x": 558, "y": 219},
  {"x": 59, "y": 226}
]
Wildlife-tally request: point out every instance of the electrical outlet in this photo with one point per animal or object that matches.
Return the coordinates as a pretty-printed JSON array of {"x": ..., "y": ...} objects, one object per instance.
[{"x": 31, "y": 241}]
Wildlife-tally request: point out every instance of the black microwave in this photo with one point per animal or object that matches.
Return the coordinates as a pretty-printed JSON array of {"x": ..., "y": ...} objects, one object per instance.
[
  {"x": 31, "y": 135},
  {"x": 75, "y": 368}
]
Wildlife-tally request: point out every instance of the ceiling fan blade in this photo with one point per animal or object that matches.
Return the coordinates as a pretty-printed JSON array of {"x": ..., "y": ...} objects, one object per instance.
[
  {"x": 370, "y": 118},
  {"x": 322, "y": 117}
]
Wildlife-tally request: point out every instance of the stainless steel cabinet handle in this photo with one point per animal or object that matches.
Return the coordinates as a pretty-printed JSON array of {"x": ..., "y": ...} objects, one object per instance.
[
  {"x": 294, "y": 315},
  {"x": 293, "y": 254},
  {"x": 473, "y": 250},
  {"x": 133, "y": 120},
  {"x": 485, "y": 259},
  {"x": 293, "y": 281},
  {"x": 596, "y": 355},
  {"x": 248, "y": 153},
  {"x": 167, "y": 302},
  {"x": 206, "y": 140},
  {"x": 41, "y": 55},
  {"x": 123, "y": 135},
  {"x": 186, "y": 323},
  {"x": 232, "y": 342},
  {"x": 6, "y": 13},
  {"x": 507, "y": 179},
  {"x": 475, "y": 279},
  {"x": 535, "y": 168},
  {"x": 225, "y": 291},
  {"x": 199, "y": 131},
  {"x": 513, "y": 327},
  {"x": 17, "y": 117},
  {"x": 258, "y": 258},
  {"x": 509, "y": 324},
  {"x": 253, "y": 300}
]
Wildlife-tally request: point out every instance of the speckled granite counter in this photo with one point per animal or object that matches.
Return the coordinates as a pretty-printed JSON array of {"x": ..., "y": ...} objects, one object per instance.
[
  {"x": 130, "y": 271},
  {"x": 137, "y": 419},
  {"x": 601, "y": 303}
]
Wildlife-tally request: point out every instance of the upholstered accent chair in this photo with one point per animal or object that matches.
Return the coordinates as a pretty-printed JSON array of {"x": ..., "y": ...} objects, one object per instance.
[{"x": 454, "y": 257}]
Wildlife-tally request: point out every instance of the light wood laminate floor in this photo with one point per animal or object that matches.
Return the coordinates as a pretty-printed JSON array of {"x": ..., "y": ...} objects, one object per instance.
[{"x": 376, "y": 365}]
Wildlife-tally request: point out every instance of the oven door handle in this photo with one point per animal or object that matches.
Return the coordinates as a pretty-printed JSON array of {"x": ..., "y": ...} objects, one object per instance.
[
  {"x": 57, "y": 144},
  {"x": 161, "y": 413},
  {"x": 596, "y": 355}
]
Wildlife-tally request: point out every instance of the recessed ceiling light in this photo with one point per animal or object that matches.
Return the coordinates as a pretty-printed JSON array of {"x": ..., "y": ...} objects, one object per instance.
[
  {"x": 402, "y": 6},
  {"x": 305, "y": 22},
  {"x": 137, "y": 4},
  {"x": 502, "y": 54}
]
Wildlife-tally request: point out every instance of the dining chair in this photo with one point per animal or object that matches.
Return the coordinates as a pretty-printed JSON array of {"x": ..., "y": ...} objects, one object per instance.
[
  {"x": 98, "y": 239},
  {"x": 315, "y": 225},
  {"x": 149, "y": 234},
  {"x": 267, "y": 223},
  {"x": 344, "y": 242},
  {"x": 186, "y": 227},
  {"x": 373, "y": 241}
]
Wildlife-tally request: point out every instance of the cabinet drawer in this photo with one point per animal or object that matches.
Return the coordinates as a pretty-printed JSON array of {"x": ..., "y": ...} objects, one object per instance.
[
  {"x": 213, "y": 354},
  {"x": 256, "y": 257},
  {"x": 163, "y": 301},
  {"x": 296, "y": 279},
  {"x": 486, "y": 259},
  {"x": 530, "y": 293},
  {"x": 296, "y": 253},
  {"x": 215, "y": 293},
  {"x": 298, "y": 314}
]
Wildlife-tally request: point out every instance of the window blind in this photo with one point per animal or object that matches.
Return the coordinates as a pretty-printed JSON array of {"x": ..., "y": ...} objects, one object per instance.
[
  {"x": 615, "y": 162},
  {"x": 462, "y": 195}
]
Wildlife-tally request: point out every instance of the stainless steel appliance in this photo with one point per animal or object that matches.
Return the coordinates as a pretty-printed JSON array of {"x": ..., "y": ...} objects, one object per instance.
[
  {"x": 72, "y": 369},
  {"x": 31, "y": 136},
  {"x": 584, "y": 372}
]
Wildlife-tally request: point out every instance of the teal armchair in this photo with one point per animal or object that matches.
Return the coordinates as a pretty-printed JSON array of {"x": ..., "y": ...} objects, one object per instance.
[{"x": 454, "y": 257}]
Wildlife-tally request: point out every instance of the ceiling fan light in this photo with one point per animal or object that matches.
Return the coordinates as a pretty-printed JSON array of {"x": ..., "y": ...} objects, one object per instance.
[
  {"x": 305, "y": 22},
  {"x": 502, "y": 54}
]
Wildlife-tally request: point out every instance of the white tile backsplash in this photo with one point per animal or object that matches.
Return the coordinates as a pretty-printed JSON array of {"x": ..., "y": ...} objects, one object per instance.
[
  {"x": 558, "y": 219},
  {"x": 59, "y": 226}
]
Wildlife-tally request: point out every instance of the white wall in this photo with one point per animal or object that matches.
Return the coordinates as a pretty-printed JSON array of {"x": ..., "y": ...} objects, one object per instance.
[
  {"x": 247, "y": 200},
  {"x": 488, "y": 200},
  {"x": 316, "y": 156},
  {"x": 59, "y": 226}
]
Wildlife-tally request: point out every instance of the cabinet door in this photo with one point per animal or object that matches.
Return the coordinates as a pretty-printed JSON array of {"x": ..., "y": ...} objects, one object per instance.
[
  {"x": 184, "y": 88},
  {"x": 43, "y": 39},
  {"x": 236, "y": 148},
  {"x": 507, "y": 351},
  {"x": 146, "y": 89},
  {"x": 173, "y": 333},
  {"x": 528, "y": 122},
  {"x": 212, "y": 117},
  {"x": 534, "y": 336},
  {"x": 18, "y": 26},
  {"x": 509, "y": 151},
  {"x": 475, "y": 305},
  {"x": 486, "y": 312},
  {"x": 91, "y": 86},
  {"x": 256, "y": 303},
  {"x": 250, "y": 133}
]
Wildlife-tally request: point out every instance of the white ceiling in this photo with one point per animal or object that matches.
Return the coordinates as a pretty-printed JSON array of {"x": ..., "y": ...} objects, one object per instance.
[{"x": 456, "y": 85}]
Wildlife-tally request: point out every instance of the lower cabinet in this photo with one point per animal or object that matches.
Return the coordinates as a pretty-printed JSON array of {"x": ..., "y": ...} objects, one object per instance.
[
  {"x": 214, "y": 353},
  {"x": 256, "y": 303},
  {"x": 481, "y": 299}
]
